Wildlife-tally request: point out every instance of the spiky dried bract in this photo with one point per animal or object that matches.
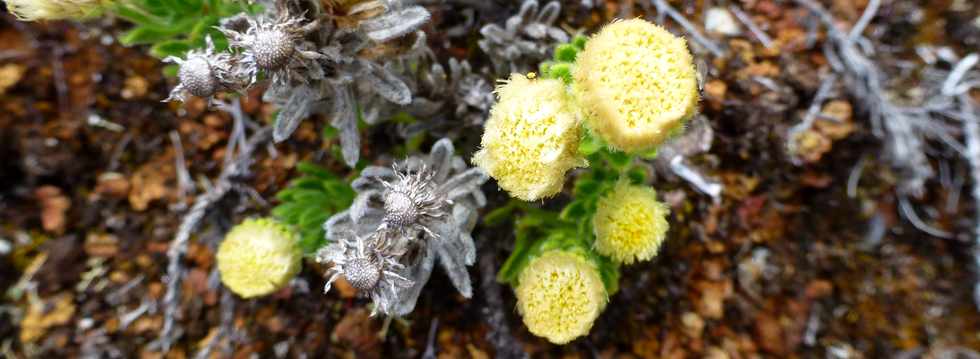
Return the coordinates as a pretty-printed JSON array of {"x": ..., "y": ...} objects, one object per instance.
[
  {"x": 34, "y": 10},
  {"x": 559, "y": 295},
  {"x": 630, "y": 224},
  {"x": 205, "y": 72},
  {"x": 258, "y": 256},
  {"x": 369, "y": 264},
  {"x": 531, "y": 139},
  {"x": 275, "y": 45},
  {"x": 638, "y": 84},
  {"x": 424, "y": 208}
]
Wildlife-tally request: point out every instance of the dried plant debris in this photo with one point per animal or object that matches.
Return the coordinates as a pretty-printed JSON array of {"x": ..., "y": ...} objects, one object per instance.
[
  {"x": 403, "y": 219},
  {"x": 525, "y": 39},
  {"x": 444, "y": 102},
  {"x": 319, "y": 61}
]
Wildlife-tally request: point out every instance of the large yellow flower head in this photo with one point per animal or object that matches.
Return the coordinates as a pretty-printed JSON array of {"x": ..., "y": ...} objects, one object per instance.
[
  {"x": 638, "y": 84},
  {"x": 33, "y": 10},
  {"x": 630, "y": 224},
  {"x": 258, "y": 256},
  {"x": 531, "y": 138},
  {"x": 559, "y": 295}
]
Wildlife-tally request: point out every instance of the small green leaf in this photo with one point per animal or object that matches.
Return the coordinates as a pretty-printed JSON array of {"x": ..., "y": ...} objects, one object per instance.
[
  {"x": 575, "y": 211},
  {"x": 566, "y": 53},
  {"x": 589, "y": 145},
  {"x": 579, "y": 41},
  {"x": 314, "y": 170},
  {"x": 170, "y": 48}
]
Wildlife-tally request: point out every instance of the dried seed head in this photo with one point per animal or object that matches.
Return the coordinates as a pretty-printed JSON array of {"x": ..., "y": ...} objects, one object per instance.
[
  {"x": 362, "y": 273},
  {"x": 411, "y": 201},
  {"x": 273, "y": 48},
  {"x": 197, "y": 77},
  {"x": 400, "y": 209}
]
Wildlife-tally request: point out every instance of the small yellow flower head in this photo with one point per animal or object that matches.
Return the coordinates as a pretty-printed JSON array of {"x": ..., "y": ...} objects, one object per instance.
[
  {"x": 33, "y": 10},
  {"x": 531, "y": 138},
  {"x": 258, "y": 256},
  {"x": 637, "y": 83},
  {"x": 630, "y": 224},
  {"x": 560, "y": 295}
]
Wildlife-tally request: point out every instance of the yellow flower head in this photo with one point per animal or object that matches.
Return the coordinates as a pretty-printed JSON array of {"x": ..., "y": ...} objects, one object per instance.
[
  {"x": 630, "y": 224},
  {"x": 32, "y": 10},
  {"x": 559, "y": 295},
  {"x": 258, "y": 256},
  {"x": 531, "y": 138},
  {"x": 638, "y": 84}
]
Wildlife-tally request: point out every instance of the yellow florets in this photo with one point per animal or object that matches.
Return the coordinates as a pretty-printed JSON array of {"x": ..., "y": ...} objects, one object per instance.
[
  {"x": 258, "y": 257},
  {"x": 630, "y": 224},
  {"x": 560, "y": 295},
  {"x": 32, "y": 10},
  {"x": 638, "y": 84},
  {"x": 531, "y": 138}
]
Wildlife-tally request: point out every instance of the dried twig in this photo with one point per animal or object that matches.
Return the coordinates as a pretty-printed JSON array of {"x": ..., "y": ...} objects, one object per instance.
[
  {"x": 232, "y": 172},
  {"x": 811, "y": 115},
  {"x": 746, "y": 20},
  {"x": 664, "y": 8}
]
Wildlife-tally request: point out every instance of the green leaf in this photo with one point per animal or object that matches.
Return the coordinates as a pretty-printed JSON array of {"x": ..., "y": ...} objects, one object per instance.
[
  {"x": 620, "y": 160},
  {"x": 575, "y": 211},
  {"x": 589, "y": 145},
  {"x": 311, "y": 169},
  {"x": 170, "y": 48},
  {"x": 289, "y": 212},
  {"x": 311, "y": 241},
  {"x": 579, "y": 42},
  {"x": 146, "y": 35}
]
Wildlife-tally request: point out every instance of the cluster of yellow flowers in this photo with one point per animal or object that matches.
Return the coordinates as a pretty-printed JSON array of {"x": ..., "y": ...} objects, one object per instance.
[
  {"x": 33, "y": 10},
  {"x": 258, "y": 257},
  {"x": 635, "y": 84}
]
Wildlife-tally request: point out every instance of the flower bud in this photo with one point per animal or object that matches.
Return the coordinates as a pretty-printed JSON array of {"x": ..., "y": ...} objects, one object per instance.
[{"x": 258, "y": 257}]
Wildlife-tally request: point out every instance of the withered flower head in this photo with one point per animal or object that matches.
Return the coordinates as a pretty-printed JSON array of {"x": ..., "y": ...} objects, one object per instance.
[
  {"x": 275, "y": 45},
  {"x": 426, "y": 208},
  {"x": 204, "y": 73},
  {"x": 370, "y": 265}
]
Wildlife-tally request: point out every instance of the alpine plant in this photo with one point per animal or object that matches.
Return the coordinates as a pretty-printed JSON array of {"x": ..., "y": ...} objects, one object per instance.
[
  {"x": 318, "y": 57},
  {"x": 404, "y": 219}
]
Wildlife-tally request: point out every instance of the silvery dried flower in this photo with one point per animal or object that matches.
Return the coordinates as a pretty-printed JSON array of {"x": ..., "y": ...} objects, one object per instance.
[
  {"x": 426, "y": 206},
  {"x": 351, "y": 49},
  {"x": 370, "y": 265},
  {"x": 204, "y": 73},
  {"x": 526, "y": 38},
  {"x": 275, "y": 46}
]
